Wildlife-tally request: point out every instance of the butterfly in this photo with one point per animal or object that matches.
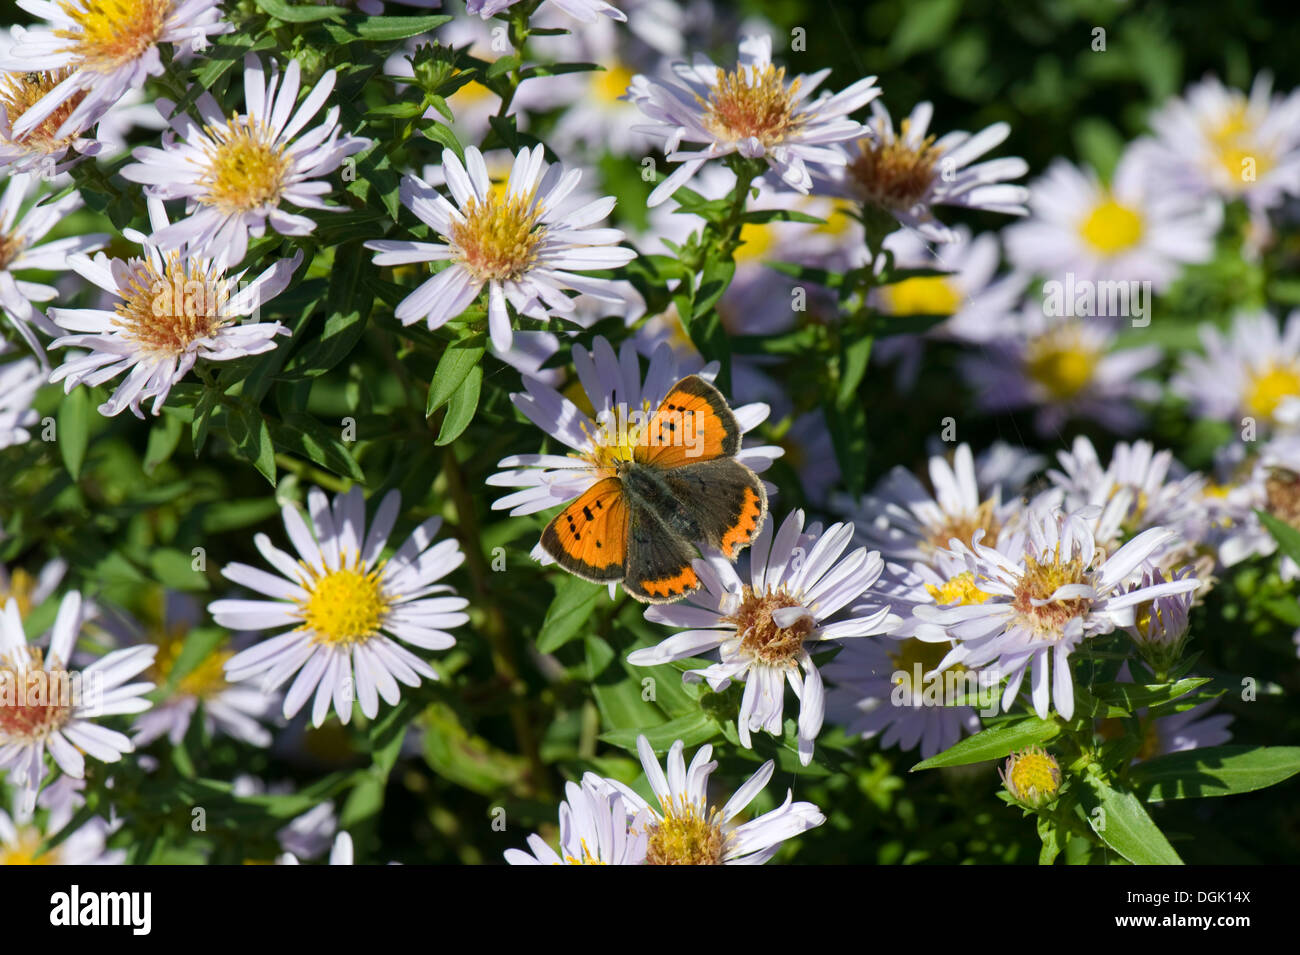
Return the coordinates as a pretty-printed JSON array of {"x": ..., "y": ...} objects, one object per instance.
[{"x": 679, "y": 485}]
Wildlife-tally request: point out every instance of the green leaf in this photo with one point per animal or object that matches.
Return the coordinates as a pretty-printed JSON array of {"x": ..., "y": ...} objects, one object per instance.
[
  {"x": 994, "y": 743},
  {"x": 388, "y": 29},
  {"x": 760, "y": 216},
  {"x": 693, "y": 729},
  {"x": 346, "y": 306},
  {"x": 198, "y": 646},
  {"x": 252, "y": 440},
  {"x": 454, "y": 366},
  {"x": 1214, "y": 771},
  {"x": 465, "y": 759},
  {"x": 442, "y": 134},
  {"x": 175, "y": 569},
  {"x": 574, "y": 601},
  {"x": 1123, "y": 824},
  {"x": 306, "y": 13},
  {"x": 854, "y": 358},
  {"x": 304, "y": 435},
  {"x": 1105, "y": 700},
  {"x": 462, "y": 407},
  {"x": 1287, "y": 537},
  {"x": 73, "y": 429},
  {"x": 924, "y": 25},
  {"x": 163, "y": 438}
]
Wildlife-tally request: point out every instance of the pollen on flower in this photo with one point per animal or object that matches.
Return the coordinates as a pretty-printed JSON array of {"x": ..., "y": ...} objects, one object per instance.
[
  {"x": 204, "y": 681},
  {"x": 924, "y": 295},
  {"x": 1032, "y": 776},
  {"x": 752, "y": 103},
  {"x": 246, "y": 169},
  {"x": 21, "y": 587},
  {"x": 34, "y": 701},
  {"x": 1234, "y": 148},
  {"x": 19, "y": 92},
  {"x": 1269, "y": 386},
  {"x": 10, "y": 246},
  {"x": 167, "y": 312},
  {"x": 112, "y": 33},
  {"x": 1282, "y": 491},
  {"x": 1111, "y": 227},
  {"x": 344, "y": 606},
  {"x": 585, "y": 859},
  {"x": 964, "y": 526},
  {"x": 1062, "y": 363},
  {"x": 685, "y": 836},
  {"x": 26, "y": 849},
  {"x": 759, "y": 633},
  {"x": 958, "y": 591},
  {"x": 611, "y": 83},
  {"x": 892, "y": 174},
  {"x": 1033, "y": 593},
  {"x": 615, "y": 438},
  {"x": 499, "y": 237}
]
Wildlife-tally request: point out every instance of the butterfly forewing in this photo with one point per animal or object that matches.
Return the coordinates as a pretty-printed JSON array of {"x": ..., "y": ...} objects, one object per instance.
[
  {"x": 692, "y": 424},
  {"x": 589, "y": 537}
]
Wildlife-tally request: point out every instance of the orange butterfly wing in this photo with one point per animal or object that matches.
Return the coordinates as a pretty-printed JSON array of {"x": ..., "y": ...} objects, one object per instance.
[
  {"x": 589, "y": 537},
  {"x": 692, "y": 424}
]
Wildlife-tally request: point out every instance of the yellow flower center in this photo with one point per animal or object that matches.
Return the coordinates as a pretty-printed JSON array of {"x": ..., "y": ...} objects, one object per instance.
[
  {"x": 1039, "y": 581},
  {"x": 34, "y": 701},
  {"x": 499, "y": 237},
  {"x": 757, "y": 239},
  {"x": 205, "y": 681},
  {"x": 615, "y": 439},
  {"x": 958, "y": 591},
  {"x": 1111, "y": 227},
  {"x": 246, "y": 168},
  {"x": 892, "y": 174},
  {"x": 611, "y": 83},
  {"x": 925, "y": 295},
  {"x": 21, "y": 587},
  {"x": 1033, "y": 775},
  {"x": 685, "y": 837},
  {"x": 963, "y": 527},
  {"x": 26, "y": 850},
  {"x": 344, "y": 606},
  {"x": 1269, "y": 386},
  {"x": 1061, "y": 362},
  {"x": 759, "y": 633},
  {"x": 167, "y": 312},
  {"x": 19, "y": 92},
  {"x": 1234, "y": 145},
  {"x": 752, "y": 102},
  {"x": 112, "y": 33}
]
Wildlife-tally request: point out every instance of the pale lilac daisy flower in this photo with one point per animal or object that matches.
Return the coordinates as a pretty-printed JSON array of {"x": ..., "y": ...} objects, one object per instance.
[
  {"x": 766, "y": 629},
  {"x": 521, "y": 242},
  {"x": 585, "y": 10},
  {"x": 19, "y": 382},
  {"x": 346, "y": 607},
  {"x": 685, "y": 828},
  {"x": 752, "y": 111},
  {"x": 22, "y": 835},
  {"x": 236, "y": 173},
  {"x": 596, "y": 828}
]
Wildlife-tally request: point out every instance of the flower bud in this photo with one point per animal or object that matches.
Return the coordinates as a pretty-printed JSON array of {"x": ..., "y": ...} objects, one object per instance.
[
  {"x": 1160, "y": 626},
  {"x": 1032, "y": 777}
]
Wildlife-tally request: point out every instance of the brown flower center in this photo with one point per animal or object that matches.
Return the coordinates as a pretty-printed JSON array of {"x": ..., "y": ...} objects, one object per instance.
[
  {"x": 34, "y": 701},
  {"x": 752, "y": 102},
  {"x": 891, "y": 173},
  {"x": 759, "y": 633},
  {"x": 1039, "y": 581},
  {"x": 685, "y": 837},
  {"x": 1282, "y": 488}
]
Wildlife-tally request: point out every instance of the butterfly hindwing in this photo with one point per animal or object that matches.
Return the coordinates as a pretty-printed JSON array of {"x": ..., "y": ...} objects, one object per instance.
[
  {"x": 589, "y": 538},
  {"x": 658, "y": 560},
  {"x": 725, "y": 499},
  {"x": 692, "y": 424}
]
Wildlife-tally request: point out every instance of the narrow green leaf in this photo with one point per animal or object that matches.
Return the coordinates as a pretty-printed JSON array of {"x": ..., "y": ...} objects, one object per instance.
[
  {"x": 398, "y": 28},
  {"x": 1123, "y": 824},
  {"x": 993, "y": 743},
  {"x": 163, "y": 438},
  {"x": 1287, "y": 537},
  {"x": 693, "y": 729},
  {"x": 574, "y": 601},
  {"x": 1214, "y": 771},
  {"x": 305, "y": 13},
  {"x": 454, "y": 367},
  {"x": 462, "y": 407},
  {"x": 73, "y": 430}
]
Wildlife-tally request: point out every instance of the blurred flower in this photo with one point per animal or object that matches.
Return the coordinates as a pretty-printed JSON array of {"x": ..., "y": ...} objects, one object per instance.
[
  {"x": 907, "y": 173},
  {"x": 46, "y": 706},
  {"x": 172, "y": 309},
  {"x": 19, "y": 382},
  {"x": 766, "y": 629},
  {"x": 1051, "y": 589},
  {"x": 235, "y": 173},
  {"x": 1159, "y": 628},
  {"x": 107, "y": 47},
  {"x": 19, "y": 252},
  {"x": 521, "y": 241},
  {"x": 1132, "y": 230},
  {"x": 340, "y": 852},
  {"x": 584, "y": 10},
  {"x": 344, "y": 604},
  {"x": 596, "y": 828},
  {"x": 752, "y": 111},
  {"x": 686, "y": 829},
  {"x": 30, "y": 592},
  {"x": 1032, "y": 777},
  {"x": 21, "y": 838}
]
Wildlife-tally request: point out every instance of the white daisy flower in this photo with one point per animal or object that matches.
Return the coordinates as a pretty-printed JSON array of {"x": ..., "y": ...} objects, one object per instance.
[
  {"x": 609, "y": 381},
  {"x": 19, "y": 252},
  {"x": 687, "y": 829},
  {"x": 585, "y": 10},
  {"x": 1135, "y": 229},
  {"x": 766, "y": 629},
  {"x": 173, "y": 309},
  {"x": 22, "y": 835},
  {"x": 1252, "y": 372},
  {"x": 907, "y": 173},
  {"x": 754, "y": 112},
  {"x": 57, "y": 709},
  {"x": 1270, "y": 483},
  {"x": 237, "y": 711},
  {"x": 30, "y": 592},
  {"x": 344, "y": 605},
  {"x": 106, "y": 47},
  {"x": 341, "y": 852},
  {"x": 1218, "y": 139},
  {"x": 596, "y": 828},
  {"x": 42, "y": 149},
  {"x": 237, "y": 173},
  {"x": 1061, "y": 368},
  {"x": 905, "y": 520},
  {"x": 19, "y": 382},
  {"x": 1051, "y": 588},
  {"x": 521, "y": 241}
]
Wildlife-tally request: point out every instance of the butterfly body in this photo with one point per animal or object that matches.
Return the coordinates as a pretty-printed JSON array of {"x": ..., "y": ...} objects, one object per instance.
[{"x": 680, "y": 487}]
